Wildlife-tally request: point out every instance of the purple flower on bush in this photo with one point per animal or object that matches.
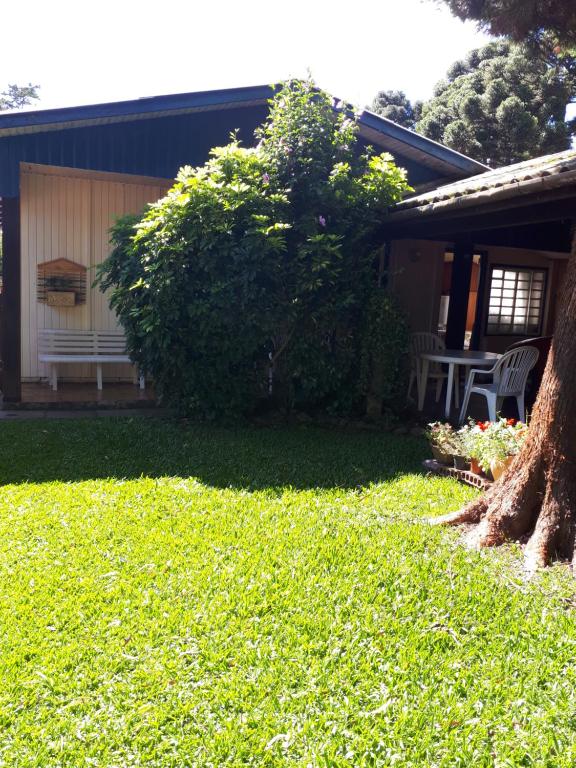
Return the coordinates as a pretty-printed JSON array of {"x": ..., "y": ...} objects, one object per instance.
[
  {"x": 266, "y": 178},
  {"x": 322, "y": 221}
]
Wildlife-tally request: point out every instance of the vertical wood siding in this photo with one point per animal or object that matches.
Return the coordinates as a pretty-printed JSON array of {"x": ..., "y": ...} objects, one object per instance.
[{"x": 68, "y": 214}]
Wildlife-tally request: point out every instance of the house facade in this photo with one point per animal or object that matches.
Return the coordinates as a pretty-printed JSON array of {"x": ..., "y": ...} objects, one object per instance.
[
  {"x": 482, "y": 260},
  {"x": 67, "y": 174}
]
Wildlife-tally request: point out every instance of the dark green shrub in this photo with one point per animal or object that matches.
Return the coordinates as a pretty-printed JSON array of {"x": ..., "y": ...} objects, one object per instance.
[
  {"x": 384, "y": 355},
  {"x": 258, "y": 262}
]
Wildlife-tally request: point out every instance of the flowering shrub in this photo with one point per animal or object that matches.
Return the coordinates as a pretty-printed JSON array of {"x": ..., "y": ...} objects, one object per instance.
[
  {"x": 255, "y": 274},
  {"x": 492, "y": 441}
]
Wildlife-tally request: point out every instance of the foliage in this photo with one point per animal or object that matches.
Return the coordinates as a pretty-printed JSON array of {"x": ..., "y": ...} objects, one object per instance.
[
  {"x": 492, "y": 441},
  {"x": 189, "y": 596},
  {"x": 443, "y": 436},
  {"x": 16, "y": 96},
  {"x": 521, "y": 20},
  {"x": 262, "y": 258},
  {"x": 194, "y": 288},
  {"x": 396, "y": 106},
  {"x": 484, "y": 441},
  {"x": 384, "y": 351},
  {"x": 501, "y": 105}
]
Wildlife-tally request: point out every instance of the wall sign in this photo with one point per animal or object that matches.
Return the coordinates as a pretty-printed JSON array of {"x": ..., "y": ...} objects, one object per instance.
[{"x": 61, "y": 283}]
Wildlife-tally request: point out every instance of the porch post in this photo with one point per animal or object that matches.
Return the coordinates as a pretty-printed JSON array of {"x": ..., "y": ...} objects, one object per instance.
[
  {"x": 11, "y": 318},
  {"x": 459, "y": 294}
]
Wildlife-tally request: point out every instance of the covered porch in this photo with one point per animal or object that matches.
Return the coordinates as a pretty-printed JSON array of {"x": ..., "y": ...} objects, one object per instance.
[
  {"x": 73, "y": 394},
  {"x": 481, "y": 262},
  {"x": 54, "y": 236}
]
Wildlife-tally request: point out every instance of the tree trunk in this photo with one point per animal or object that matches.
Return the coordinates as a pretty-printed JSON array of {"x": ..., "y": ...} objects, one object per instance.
[{"x": 536, "y": 497}]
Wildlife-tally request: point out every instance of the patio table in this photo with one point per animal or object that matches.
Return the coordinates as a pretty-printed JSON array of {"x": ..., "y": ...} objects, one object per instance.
[{"x": 453, "y": 358}]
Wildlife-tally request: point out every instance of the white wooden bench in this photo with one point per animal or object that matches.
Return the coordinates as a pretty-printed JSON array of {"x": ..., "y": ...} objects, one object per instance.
[{"x": 67, "y": 346}]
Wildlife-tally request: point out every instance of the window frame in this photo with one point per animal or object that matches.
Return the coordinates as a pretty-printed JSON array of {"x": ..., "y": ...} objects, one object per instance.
[{"x": 517, "y": 268}]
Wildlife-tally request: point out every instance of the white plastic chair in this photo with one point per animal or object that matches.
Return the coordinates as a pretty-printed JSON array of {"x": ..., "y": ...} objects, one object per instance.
[
  {"x": 509, "y": 377},
  {"x": 426, "y": 342}
]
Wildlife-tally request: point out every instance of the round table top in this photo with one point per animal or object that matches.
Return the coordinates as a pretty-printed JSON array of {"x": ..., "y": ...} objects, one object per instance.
[{"x": 462, "y": 357}]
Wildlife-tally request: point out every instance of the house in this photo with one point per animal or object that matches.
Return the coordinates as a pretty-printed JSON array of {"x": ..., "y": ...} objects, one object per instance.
[
  {"x": 475, "y": 253},
  {"x": 483, "y": 259},
  {"x": 67, "y": 174}
]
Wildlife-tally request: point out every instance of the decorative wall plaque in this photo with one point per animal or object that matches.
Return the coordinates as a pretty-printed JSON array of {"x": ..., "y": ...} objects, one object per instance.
[
  {"x": 61, "y": 283},
  {"x": 61, "y": 298}
]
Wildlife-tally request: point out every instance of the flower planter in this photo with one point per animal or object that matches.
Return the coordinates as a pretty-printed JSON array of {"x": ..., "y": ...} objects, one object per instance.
[
  {"x": 494, "y": 443},
  {"x": 476, "y": 468},
  {"x": 442, "y": 441},
  {"x": 440, "y": 456},
  {"x": 497, "y": 468},
  {"x": 460, "y": 462}
]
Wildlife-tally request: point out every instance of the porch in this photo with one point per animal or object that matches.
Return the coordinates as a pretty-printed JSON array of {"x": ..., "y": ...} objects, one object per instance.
[
  {"x": 85, "y": 394},
  {"x": 54, "y": 236},
  {"x": 481, "y": 262}
]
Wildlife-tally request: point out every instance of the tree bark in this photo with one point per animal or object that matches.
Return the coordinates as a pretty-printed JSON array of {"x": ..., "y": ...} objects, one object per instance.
[{"x": 536, "y": 498}]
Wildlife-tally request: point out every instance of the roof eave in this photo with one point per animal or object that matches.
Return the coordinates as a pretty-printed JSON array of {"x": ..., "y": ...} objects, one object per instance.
[
  {"x": 66, "y": 117},
  {"x": 518, "y": 190},
  {"x": 443, "y": 155},
  {"x": 391, "y": 136}
]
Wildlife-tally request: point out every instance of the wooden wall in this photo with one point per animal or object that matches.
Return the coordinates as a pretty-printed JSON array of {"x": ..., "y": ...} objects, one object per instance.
[
  {"x": 67, "y": 213},
  {"x": 417, "y": 277},
  {"x": 416, "y": 272}
]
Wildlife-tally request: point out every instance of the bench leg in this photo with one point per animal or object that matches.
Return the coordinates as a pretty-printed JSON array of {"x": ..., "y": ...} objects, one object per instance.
[
  {"x": 99, "y": 375},
  {"x": 53, "y": 376},
  {"x": 138, "y": 379}
]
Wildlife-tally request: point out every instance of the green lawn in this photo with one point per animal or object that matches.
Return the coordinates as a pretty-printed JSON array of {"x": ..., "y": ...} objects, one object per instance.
[{"x": 190, "y": 596}]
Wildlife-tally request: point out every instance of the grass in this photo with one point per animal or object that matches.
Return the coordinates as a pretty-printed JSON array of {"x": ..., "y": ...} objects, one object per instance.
[{"x": 177, "y": 595}]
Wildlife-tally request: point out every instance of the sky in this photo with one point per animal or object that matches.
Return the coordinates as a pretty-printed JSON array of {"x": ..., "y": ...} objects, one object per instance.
[{"x": 82, "y": 53}]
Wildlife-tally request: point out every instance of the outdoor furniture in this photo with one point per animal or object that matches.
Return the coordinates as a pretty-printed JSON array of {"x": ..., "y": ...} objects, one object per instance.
[
  {"x": 58, "y": 347},
  {"x": 509, "y": 377},
  {"x": 453, "y": 358},
  {"x": 426, "y": 342},
  {"x": 542, "y": 344}
]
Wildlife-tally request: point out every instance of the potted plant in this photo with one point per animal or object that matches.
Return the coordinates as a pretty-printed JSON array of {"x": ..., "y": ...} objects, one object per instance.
[
  {"x": 460, "y": 458},
  {"x": 444, "y": 442},
  {"x": 471, "y": 440},
  {"x": 491, "y": 445}
]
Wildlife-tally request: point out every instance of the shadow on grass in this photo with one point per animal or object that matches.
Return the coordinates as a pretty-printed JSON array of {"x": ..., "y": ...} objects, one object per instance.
[{"x": 242, "y": 457}]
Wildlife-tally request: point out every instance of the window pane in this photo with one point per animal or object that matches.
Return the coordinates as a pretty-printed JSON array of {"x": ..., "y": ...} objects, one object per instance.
[{"x": 516, "y": 300}]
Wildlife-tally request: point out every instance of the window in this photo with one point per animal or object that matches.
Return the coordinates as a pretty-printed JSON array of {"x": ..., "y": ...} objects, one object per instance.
[{"x": 516, "y": 301}]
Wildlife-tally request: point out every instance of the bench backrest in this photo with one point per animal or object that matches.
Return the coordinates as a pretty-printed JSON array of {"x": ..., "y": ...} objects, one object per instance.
[{"x": 70, "y": 342}]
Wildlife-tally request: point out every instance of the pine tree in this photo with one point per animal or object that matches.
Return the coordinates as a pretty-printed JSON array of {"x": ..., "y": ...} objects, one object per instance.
[
  {"x": 17, "y": 96},
  {"x": 522, "y": 20},
  {"x": 396, "y": 106},
  {"x": 501, "y": 105}
]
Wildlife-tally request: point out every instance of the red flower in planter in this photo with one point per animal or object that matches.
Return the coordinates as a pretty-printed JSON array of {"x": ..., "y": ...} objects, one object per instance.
[{"x": 510, "y": 422}]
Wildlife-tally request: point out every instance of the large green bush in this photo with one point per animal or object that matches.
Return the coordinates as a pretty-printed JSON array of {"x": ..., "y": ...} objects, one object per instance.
[
  {"x": 252, "y": 276},
  {"x": 383, "y": 360}
]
